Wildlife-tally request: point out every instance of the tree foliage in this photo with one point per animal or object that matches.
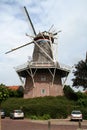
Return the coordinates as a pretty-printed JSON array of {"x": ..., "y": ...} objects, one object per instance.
[
  {"x": 4, "y": 93},
  {"x": 16, "y": 93},
  {"x": 80, "y": 74},
  {"x": 69, "y": 93}
]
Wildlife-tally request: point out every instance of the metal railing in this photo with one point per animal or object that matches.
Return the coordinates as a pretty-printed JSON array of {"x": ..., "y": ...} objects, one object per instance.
[{"x": 43, "y": 64}]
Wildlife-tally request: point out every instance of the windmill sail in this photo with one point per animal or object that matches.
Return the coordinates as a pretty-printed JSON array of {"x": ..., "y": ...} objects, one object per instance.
[
  {"x": 18, "y": 47},
  {"x": 30, "y": 22}
]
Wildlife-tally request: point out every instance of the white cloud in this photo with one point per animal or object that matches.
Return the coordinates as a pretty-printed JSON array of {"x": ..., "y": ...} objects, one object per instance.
[{"x": 68, "y": 16}]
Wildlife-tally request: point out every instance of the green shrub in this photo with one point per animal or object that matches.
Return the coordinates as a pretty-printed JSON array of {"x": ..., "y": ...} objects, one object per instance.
[
  {"x": 84, "y": 112},
  {"x": 45, "y": 107},
  {"x": 34, "y": 117},
  {"x": 82, "y": 102},
  {"x": 44, "y": 117}
]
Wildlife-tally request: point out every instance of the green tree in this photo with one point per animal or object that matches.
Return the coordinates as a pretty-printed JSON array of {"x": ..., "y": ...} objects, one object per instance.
[
  {"x": 20, "y": 91},
  {"x": 4, "y": 93},
  {"x": 69, "y": 93},
  {"x": 80, "y": 74}
]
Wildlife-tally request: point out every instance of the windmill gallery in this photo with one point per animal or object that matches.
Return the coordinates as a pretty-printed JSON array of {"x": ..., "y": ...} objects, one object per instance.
[{"x": 43, "y": 76}]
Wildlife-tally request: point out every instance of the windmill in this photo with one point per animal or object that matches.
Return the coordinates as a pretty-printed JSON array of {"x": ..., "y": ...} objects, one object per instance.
[{"x": 43, "y": 76}]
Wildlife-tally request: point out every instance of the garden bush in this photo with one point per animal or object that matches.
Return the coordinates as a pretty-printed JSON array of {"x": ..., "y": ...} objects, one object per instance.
[{"x": 45, "y": 107}]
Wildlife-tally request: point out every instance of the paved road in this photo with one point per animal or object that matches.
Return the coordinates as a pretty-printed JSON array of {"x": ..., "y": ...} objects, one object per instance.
[{"x": 9, "y": 124}]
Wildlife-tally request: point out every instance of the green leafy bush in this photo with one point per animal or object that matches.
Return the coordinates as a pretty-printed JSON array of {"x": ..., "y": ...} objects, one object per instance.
[
  {"x": 45, "y": 107},
  {"x": 44, "y": 117}
]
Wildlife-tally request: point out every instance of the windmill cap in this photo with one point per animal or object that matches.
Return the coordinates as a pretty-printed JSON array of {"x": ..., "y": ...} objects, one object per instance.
[{"x": 44, "y": 35}]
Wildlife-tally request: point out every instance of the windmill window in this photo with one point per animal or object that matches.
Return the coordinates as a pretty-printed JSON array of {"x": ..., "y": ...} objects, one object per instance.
[
  {"x": 43, "y": 91},
  {"x": 43, "y": 78}
]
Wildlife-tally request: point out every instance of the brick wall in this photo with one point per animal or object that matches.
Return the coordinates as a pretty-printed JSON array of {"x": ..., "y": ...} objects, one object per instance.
[{"x": 44, "y": 85}]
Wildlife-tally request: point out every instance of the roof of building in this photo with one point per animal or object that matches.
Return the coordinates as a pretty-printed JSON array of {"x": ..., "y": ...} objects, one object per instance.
[{"x": 13, "y": 87}]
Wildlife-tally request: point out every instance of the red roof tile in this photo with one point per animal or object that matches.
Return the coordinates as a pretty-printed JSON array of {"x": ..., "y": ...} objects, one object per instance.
[{"x": 13, "y": 87}]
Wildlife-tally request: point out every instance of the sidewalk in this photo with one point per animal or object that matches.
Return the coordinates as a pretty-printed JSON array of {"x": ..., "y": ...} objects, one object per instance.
[{"x": 60, "y": 122}]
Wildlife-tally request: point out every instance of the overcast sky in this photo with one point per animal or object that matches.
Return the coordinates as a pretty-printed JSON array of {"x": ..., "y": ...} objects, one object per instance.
[{"x": 69, "y": 16}]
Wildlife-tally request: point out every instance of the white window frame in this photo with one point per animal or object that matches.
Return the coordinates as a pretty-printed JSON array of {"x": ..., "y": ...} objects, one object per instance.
[{"x": 43, "y": 91}]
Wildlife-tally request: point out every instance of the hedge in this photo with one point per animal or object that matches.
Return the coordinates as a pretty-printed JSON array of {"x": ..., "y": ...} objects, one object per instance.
[{"x": 43, "y": 107}]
